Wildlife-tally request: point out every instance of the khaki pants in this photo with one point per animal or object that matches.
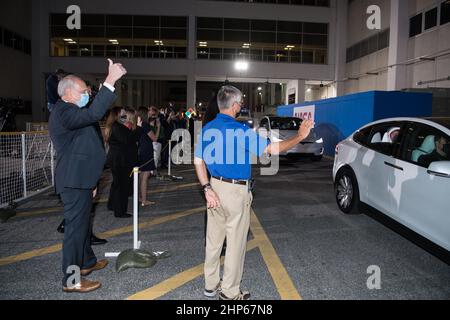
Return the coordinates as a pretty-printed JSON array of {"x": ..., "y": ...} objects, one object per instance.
[{"x": 231, "y": 220}]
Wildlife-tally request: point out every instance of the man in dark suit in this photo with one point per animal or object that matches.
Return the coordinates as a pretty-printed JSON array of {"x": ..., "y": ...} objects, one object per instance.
[{"x": 80, "y": 161}]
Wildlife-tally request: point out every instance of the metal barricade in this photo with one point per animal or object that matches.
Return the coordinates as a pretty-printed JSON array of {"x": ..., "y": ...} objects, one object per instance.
[{"x": 27, "y": 163}]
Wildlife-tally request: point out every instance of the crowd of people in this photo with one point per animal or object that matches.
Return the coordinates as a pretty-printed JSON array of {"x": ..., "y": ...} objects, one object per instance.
[{"x": 137, "y": 138}]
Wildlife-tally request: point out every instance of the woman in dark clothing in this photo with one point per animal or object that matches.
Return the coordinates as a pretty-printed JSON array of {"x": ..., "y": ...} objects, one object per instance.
[
  {"x": 122, "y": 137},
  {"x": 146, "y": 154}
]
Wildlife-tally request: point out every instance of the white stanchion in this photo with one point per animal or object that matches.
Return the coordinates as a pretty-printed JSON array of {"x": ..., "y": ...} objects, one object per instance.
[{"x": 136, "y": 242}]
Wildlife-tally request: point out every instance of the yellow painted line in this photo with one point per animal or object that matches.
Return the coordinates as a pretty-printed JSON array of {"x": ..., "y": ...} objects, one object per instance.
[
  {"x": 283, "y": 282},
  {"x": 177, "y": 280},
  {"x": 280, "y": 276},
  {"x": 37, "y": 212},
  {"x": 101, "y": 200},
  {"x": 115, "y": 232}
]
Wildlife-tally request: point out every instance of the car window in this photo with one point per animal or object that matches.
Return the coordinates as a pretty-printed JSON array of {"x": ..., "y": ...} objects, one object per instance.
[
  {"x": 264, "y": 123},
  {"x": 385, "y": 138},
  {"x": 285, "y": 123},
  {"x": 362, "y": 136},
  {"x": 424, "y": 145}
]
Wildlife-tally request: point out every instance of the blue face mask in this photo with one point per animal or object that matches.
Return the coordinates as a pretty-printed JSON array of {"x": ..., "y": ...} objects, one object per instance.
[{"x": 83, "y": 100}]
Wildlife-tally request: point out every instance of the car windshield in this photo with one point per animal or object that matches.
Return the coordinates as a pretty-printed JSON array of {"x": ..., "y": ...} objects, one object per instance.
[{"x": 285, "y": 123}]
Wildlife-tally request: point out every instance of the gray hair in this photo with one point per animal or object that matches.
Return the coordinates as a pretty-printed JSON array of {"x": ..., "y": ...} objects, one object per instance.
[
  {"x": 227, "y": 96},
  {"x": 67, "y": 82}
]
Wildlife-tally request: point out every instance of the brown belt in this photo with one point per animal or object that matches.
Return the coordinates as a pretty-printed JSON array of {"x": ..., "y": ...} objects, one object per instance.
[{"x": 233, "y": 181}]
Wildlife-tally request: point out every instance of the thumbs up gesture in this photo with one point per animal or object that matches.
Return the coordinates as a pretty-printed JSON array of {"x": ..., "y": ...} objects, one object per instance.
[{"x": 115, "y": 72}]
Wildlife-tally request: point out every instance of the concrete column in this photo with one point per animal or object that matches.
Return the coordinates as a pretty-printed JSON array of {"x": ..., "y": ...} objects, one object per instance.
[
  {"x": 398, "y": 44},
  {"x": 296, "y": 87},
  {"x": 272, "y": 93},
  {"x": 40, "y": 51},
  {"x": 341, "y": 46},
  {"x": 191, "y": 90},
  {"x": 191, "y": 38}
]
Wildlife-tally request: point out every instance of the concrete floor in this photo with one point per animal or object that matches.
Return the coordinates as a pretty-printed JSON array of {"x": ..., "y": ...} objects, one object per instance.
[{"x": 324, "y": 254}]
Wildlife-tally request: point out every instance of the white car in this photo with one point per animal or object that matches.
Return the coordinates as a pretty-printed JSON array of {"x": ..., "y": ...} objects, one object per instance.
[
  {"x": 401, "y": 168},
  {"x": 283, "y": 128}
]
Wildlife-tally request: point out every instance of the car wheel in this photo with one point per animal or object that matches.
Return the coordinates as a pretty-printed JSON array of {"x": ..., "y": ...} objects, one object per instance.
[
  {"x": 347, "y": 191},
  {"x": 317, "y": 158}
]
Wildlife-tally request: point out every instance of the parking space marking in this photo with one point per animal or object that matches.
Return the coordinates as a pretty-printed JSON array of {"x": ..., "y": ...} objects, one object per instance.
[
  {"x": 108, "y": 234},
  {"x": 281, "y": 278},
  {"x": 178, "y": 280}
]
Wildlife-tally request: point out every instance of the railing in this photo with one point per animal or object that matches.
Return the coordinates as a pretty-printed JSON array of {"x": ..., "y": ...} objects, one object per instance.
[{"x": 27, "y": 162}]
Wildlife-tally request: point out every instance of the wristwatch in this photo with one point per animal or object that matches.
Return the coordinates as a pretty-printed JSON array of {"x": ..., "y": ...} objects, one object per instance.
[{"x": 207, "y": 187}]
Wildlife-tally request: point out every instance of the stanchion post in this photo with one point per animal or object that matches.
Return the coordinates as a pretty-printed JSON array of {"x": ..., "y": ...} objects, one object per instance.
[
  {"x": 170, "y": 159},
  {"x": 135, "y": 208},
  {"x": 52, "y": 163},
  {"x": 24, "y": 167}
]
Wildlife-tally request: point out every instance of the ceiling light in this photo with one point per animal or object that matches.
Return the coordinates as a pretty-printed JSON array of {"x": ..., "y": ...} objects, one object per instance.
[
  {"x": 68, "y": 40},
  {"x": 241, "y": 65}
]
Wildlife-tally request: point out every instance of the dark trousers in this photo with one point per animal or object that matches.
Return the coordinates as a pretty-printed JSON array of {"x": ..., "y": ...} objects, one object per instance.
[
  {"x": 120, "y": 190},
  {"x": 77, "y": 249}
]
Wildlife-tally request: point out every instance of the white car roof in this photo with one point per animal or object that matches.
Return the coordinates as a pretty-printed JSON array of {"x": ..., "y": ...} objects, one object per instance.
[{"x": 418, "y": 120}]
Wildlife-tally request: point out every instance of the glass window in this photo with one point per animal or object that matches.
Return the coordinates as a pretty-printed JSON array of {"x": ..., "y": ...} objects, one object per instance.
[
  {"x": 209, "y": 23},
  {"x": 236, "y": 36},
  {"x": 27, "y": 46},
  {"x": 424, "y": 145},
  {"x": 320, "y": 28},
  {"x": 289, "y": 26},
  {"x": 263, "y": 37},
  {"x": 445, "y": 12},
  {"x": 216, "y": 35},
  {"x": 8, "y": 38},
  {"x": 90, "y": 20},
  {"x": 373, "y": 44},
  {"x": 237, "y": 24},
  {"x": 263, "y": 25},
  {"x": 362, "y": 136},
  {"x": 383, "y": 39},
  {"x": 146, "y": 21},
  {"x": 173, "y": 22},
  {"x": 431, "y": 18},
  {"x": 415, "y": 25},
  {"x": 385, "y": 138},
  {"x": 146, "y": 33},
  {"x": 119, "y": 20}
]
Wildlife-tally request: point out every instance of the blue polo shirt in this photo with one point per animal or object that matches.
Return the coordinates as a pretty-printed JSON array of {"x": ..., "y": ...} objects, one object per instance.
[{"x": 227, "y": 145}]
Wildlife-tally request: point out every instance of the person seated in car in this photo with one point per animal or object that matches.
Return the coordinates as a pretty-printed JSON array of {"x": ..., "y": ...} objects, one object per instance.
[
  {"x": 441, "y": 153},
  {"x": 391, "y": 135}
]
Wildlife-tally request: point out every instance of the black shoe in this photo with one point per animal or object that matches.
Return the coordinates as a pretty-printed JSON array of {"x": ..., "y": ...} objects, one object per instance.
[
  {"x": 97, "y": 241},
  {"x": 244, "y": 295},
  {"x": 125, "y": 215},
  {"x": 60, "y": 228}
]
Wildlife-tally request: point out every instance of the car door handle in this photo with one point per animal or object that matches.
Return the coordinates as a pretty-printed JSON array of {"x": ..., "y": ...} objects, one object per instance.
[
  {"x": 438, "y": 174},
  {"x": 393, "y": 166}
]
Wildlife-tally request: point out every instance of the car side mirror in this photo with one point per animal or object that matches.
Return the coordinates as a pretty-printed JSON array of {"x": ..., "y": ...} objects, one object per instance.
[{"x": 440, "y": 169}]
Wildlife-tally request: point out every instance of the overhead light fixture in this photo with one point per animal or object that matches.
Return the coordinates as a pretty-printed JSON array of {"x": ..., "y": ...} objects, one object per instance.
[
  {"x": 308, "y": 90},
  {"x": 72, "y": 42},
  {"x": 159, "y": 43},
  {"x": 203, "y": 44},
  {"x": 289, "y": 47},
  {"x": 241, "y": 65},
  {"x": 259, "y": 88},
  {"x": 113, "y": 40},
  {"x": 246, "y": 45},
  {"x": 68, "y": 40}
]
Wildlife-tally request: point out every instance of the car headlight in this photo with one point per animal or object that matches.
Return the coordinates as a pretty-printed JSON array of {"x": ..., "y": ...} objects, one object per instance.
[{"x": 319, "y": 141}]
